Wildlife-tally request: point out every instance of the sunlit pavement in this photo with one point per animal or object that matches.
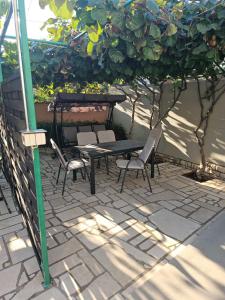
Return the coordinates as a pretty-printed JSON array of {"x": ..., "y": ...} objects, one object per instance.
[{"x": 115, "y": 246}]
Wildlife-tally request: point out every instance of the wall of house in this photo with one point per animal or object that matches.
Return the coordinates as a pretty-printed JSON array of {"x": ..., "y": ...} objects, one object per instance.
[
  {"x": 178, "y": 138},
  {"x": 79, "y": 115}
]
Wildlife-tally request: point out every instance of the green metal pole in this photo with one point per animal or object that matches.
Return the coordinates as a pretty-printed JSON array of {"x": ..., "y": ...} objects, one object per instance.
[
  {"x": 1, "y": 75},
  {"x": 51, "y": 43},
  {"x": 32, "y": 124}
]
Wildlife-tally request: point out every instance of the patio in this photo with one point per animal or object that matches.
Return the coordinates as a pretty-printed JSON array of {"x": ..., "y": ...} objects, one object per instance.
[{"x": 100, "y": 246}]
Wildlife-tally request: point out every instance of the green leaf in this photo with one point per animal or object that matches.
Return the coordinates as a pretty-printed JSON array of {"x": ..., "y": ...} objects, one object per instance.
[
  {"x": 135, "y": 22},
  {"x": 139, "y": 33},
  {"x": 94, "y": 2},
  {"x": 117, "y": 20},
  {"x": 128, "y": 71},
  {"x": 131, "y": 51},
  {"x": 114, "y": 42},
  {"x": 93, "y": 36},
  {"x": 74, "y": 23},
  {"x": 155, "y": 31},
  {"x": 158, "y": 49},
  {"x": 221, "y": 14},
  {"x": 94, "y": 33},
  {"x": 152, "y": 5},
  {"x": 203, "y": 28},
  {"x": 90, "y": 48},
  {"x": 140, "y": 44},
  {"x": 161, "y": 3},
  {"x": 200, "y": 49},
  {"x": 171, "y": 29},
  {"x": 4, "y": 6},
  {"x": 170, "y": 41},
  {"x": 99, "y": 15},
  {"x": 211, "y": 54},
  {"x": 148, "y": 53},
  {"x": 59, "y": 3},
  {"x": 37, "y": 55},
  {"x": 64, "y": 11},
  {"x": 116, "y": 56}
]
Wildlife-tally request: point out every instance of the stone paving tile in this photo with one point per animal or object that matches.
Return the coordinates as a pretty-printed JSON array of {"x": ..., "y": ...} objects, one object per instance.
[
  {"x": 62, "y": 251},
  {"x": 181, "y": 212},
  {"x": 91, "y": 240},
  {"x": 82, "y": 275},
  {"x": 140, "y": 238},
  {"x": 52, "y": 293},
  {"x": 20, "y": 250},
  {"x": 70, "y": 214},
  {"x": 202, "y": 215},
  {"x": 102, "y": 288},
  {"x": 64, "y": 265},
  {"x": 102, "y": 244},
  {"x": 158, "y": 251},
  {"x": 8, "y": 279},
  {"x": 68, "y": 285},
  {"x": 3, "y": 254},
  {"x": 167, "y": 195},
  {"x": 122, "y": 266},
  {"x": 112, "y": 214},
  {"x": 31, "y": 288},
  {"x": 147, "y": 244},
  {"x": 173, "y": 225},
  {"x": 91, "y": 262},
  {"x": 31, "y": 265}
]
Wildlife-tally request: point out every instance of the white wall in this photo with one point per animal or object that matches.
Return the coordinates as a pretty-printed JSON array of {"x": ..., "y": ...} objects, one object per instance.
[{"x": 178, "y": 137}]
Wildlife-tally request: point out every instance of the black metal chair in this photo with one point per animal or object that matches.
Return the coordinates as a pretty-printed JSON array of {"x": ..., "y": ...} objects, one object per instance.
[
  {"x": 71, "y": 165},
  {"x": 138, "y": 164}
]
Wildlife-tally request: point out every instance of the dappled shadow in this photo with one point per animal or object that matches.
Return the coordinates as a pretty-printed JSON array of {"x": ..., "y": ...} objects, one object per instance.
[
  {"x": 196, "y": 273},
  {"x": 107, "y": 239}
]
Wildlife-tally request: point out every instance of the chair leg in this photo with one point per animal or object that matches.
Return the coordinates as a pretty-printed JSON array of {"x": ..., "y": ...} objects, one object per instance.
[
  {"x": 146, "y": 172},
  {"x": 143, "y": 174},
  {"x": 137, "y": 174},
  {"x": 158, "y": 169},
  {"x": 86, "y": 173},
  {"x": 57, "y": 180},
  {"x": 74, "y": 175},
  {"x": 119, "y": 176},
  {"x": 83, "y": 175},
  {"x": 64, "y": 182},
  {"x": 107, "y": 164},
  {"x": 124, "y": 176},
  {"x": 98, "y": 164}
]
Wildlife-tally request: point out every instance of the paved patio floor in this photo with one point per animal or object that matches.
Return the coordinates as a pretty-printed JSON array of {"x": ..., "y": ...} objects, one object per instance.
[{"x": 100, "y": 246}]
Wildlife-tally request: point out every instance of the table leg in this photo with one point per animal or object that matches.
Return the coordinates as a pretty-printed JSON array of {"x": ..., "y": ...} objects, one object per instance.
[
  {"x": 153, "y": 164},
  {"x": 92, "y": 177},
  {"x": 74, "y": 175}
]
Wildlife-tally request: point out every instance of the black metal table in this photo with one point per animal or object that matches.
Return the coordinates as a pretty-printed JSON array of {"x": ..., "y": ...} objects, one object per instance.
[{"x": 104, "y": 149}]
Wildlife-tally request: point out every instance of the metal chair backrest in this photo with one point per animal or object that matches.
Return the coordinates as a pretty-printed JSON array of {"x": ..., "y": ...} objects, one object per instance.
[
  {"x": 69, "y": 135},
  {"x": 106, "y": 136},
  {"x": 98, "y": 127},
  {"x": 58, "y": 153},
  {"x": 147, "y": 150},
  {"x": 156, "y": 133},
  {"x": 86, "y": 138}
]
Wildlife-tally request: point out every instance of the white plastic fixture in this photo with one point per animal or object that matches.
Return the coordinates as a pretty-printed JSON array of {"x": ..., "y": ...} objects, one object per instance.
[{"x": 33, "y": 138}]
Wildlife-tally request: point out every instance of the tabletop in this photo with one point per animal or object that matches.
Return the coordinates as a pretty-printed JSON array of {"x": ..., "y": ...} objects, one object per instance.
[{"x": 102, "y": 149}]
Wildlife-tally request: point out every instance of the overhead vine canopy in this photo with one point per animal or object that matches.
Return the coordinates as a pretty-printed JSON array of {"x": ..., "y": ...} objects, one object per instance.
[
  {"x": 117, "y": 39},
  {"x": 149, "y": 38}
]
